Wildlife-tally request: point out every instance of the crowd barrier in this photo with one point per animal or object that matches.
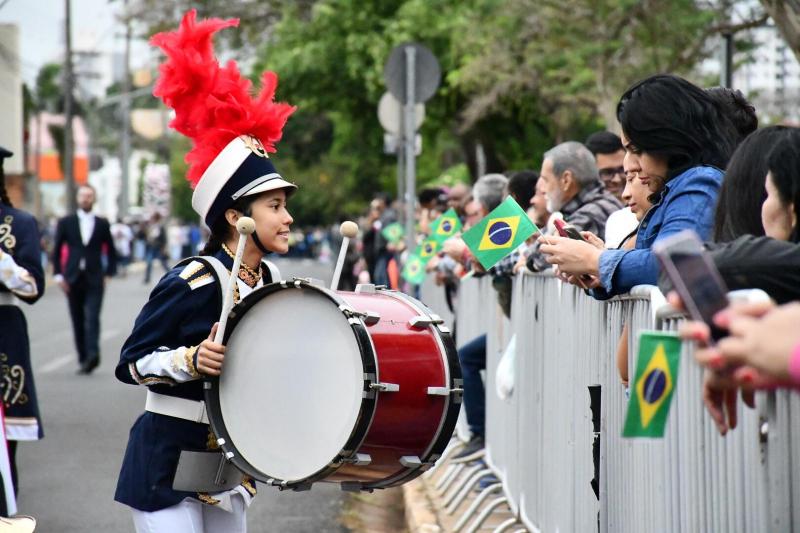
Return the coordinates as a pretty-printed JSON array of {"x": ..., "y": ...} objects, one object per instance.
[{"x": 539, "y": 440}]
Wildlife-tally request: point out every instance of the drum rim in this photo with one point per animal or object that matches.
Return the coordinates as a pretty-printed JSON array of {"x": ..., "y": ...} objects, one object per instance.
[
  {"x": 447, "y": 424},
  {"x": 366, "y": 412}
]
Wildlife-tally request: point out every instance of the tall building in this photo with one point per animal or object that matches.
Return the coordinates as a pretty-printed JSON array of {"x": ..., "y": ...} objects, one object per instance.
[{"x": 772, "y": 79}]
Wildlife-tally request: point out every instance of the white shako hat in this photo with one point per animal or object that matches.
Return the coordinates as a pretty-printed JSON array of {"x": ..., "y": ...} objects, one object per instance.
[
  {"x": 242, "y": 168},
  {"x": 232, "y": 130}
]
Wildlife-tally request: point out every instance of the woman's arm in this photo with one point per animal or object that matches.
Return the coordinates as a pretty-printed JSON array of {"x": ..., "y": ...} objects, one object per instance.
[
  {"x": 22, "y": 273},
  {"x": 167, "y": 334},
  {"x": 690, "y": 206}
]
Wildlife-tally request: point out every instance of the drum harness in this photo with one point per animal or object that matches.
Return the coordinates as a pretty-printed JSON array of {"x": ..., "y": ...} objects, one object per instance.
[{"x": 200, "y": 471}]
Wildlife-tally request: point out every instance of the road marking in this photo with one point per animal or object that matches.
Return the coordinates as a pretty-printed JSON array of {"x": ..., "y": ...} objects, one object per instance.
[
  {"x": 54, "y": 365},
  {"x": 64, "y": 360}
]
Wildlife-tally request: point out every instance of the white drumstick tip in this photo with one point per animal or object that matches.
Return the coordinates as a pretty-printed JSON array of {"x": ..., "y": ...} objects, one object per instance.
[
  {"x": 349, "y": 229},
  {"x": 245, "y": 225}
]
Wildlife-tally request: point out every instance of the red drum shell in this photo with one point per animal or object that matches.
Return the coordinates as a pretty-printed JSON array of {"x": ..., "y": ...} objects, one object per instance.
[{"x": 406, "y": 423}]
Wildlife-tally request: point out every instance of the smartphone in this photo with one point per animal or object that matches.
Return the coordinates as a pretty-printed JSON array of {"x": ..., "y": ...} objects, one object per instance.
[
  {"x": 567, "y": 230},
  {"x": 694, "y": 276}
]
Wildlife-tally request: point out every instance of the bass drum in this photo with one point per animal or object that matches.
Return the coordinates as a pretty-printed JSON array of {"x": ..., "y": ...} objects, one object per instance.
[{"x": 361, "y": 388}]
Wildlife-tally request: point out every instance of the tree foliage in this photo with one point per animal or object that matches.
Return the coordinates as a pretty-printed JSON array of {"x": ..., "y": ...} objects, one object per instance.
[{"x": 518, "y": 76}]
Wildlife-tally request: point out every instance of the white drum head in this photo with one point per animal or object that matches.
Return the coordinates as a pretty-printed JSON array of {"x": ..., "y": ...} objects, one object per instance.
[{"x": 290, "y": 388}]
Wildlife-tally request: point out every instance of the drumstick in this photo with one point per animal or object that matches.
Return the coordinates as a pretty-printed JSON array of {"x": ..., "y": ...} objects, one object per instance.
[
  {"x": 348, "y": 230},
  {"x": 245, "y": 226}
]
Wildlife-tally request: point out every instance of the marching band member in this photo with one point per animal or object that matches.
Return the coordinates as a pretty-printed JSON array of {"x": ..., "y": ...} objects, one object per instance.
[
  {"x": 171, "y": 346},
  {"x": 21, "y": 278}
]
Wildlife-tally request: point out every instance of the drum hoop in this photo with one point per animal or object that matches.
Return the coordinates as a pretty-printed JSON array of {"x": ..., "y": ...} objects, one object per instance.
[
  {"x": 366, "y": 412},
  {"x": 447, "y": 424}
]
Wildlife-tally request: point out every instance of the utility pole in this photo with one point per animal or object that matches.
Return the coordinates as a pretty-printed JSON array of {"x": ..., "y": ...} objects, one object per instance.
[
  {"x": 69, "y": 82},
  {"x": 125, "y": 109}
]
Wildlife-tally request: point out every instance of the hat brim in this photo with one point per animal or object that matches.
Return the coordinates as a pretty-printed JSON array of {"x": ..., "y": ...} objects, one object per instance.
[{"x": 271, "y": 185}]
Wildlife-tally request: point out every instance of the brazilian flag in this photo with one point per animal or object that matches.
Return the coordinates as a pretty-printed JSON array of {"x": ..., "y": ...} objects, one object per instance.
[
  {"x": 414, "y": 271},
  {"x": 428, "y": 249},
  {"x": 656, "y": 376},
  {"x": 500, "y": 233},
  {"x": 394, "y": 232},
  {"x": 446, "y": 226}
]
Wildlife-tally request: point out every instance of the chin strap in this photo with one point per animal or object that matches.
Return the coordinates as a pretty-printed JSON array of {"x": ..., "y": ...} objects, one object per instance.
[{"x": 259, "y": 244}]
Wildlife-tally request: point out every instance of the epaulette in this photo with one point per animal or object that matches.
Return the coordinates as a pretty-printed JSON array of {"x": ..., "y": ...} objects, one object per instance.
[{"x": 196, "y": 275}]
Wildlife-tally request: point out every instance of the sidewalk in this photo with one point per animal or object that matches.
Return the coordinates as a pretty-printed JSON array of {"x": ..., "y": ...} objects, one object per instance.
[{"x": 450, "y": 498}]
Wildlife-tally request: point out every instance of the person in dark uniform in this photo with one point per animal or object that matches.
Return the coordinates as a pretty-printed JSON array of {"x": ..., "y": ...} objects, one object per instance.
[
  {"x": 83, "y": 257},
  {"x": 171, "y": 346},
  {"x": 21, "y": 279}
]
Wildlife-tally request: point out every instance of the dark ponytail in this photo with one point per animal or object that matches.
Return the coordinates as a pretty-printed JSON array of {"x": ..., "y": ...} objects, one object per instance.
[{"x": 221, "y": 230}]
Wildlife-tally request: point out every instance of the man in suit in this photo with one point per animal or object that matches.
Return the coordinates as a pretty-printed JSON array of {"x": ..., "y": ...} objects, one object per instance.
[{"x": 83, "y": 256}]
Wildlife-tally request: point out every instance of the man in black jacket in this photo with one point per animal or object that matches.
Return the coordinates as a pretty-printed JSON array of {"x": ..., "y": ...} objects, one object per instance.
[{"x": 83, "y": 256}]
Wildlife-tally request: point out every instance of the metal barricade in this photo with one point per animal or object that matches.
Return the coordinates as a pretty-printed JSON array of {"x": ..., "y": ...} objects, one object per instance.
[{"x": 539, "y": 440}]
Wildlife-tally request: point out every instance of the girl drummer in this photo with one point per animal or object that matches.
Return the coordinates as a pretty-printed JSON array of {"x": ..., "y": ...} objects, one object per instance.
[{"x": 171, "y": 346}]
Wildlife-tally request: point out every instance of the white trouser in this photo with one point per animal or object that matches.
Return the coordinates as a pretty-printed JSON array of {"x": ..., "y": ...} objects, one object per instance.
[{"x": 191, "y": 516}]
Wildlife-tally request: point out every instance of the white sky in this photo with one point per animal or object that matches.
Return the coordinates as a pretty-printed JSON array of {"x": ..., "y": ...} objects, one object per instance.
[{"x": 41, "y": 30}]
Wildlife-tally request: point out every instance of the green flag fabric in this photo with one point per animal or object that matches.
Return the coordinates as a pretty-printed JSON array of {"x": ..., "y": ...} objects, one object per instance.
[
  {"x": 652, "y": 388},
  {"x": 414, "y": 271},
  {"x": 394, "y": 232},
  {"x": 446, "y": 226},
  {"x": 500, "y": 233}
]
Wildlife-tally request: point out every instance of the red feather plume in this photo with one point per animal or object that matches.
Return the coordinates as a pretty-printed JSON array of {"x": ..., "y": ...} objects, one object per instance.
[{"x": 213, "y": 104}]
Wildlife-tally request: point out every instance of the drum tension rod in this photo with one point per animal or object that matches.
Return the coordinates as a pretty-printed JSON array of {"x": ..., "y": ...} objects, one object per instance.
[
  {"x": 358, "y": 459},
  {"x": 370, "y": 318},
  {"x": 423, "y": 321},
  {"x": 457, "y": 389}
]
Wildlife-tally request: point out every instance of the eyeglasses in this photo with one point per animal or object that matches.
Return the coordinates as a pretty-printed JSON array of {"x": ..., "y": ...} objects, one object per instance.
[{"x": 608, "y": 173}]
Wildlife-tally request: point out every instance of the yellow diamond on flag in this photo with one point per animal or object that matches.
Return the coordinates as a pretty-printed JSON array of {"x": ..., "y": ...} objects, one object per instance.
[
  {"x": 499, "y": 233},
  {"x": 654, "y": 385},
  {"x": 428, "y": 249},
  {"x": 447, "y": 226}
]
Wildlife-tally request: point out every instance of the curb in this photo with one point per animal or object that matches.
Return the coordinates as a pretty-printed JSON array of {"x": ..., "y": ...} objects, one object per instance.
[{"x": 420, "y": 516}]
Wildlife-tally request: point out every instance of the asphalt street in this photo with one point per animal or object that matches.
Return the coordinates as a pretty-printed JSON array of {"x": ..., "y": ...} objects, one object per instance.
[{"x": 67, "y": 480}]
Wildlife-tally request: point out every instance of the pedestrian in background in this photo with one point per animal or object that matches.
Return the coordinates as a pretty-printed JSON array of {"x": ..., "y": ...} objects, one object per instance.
[
  {"x": 83, "y": 257},
  {"x": 155, "y": 242},
  {"x": 123, "y": 238}
]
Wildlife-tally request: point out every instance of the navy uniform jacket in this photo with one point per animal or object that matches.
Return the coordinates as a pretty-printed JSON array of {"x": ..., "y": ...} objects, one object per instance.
[
  {"x": 180, "y": 312},
  {"x": 19, "y": 238}
]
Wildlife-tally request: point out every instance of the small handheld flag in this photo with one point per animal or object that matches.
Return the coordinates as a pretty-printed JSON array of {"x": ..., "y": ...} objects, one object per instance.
[
  {"x": 500, "y": 233},
  {"x": 428, "y": 249},
  {"x": 446, "y": 226},
  {"x": 394, "y": 232},
  {"x": 652, "y": 388},
  {"x": 414, "y": 271}
]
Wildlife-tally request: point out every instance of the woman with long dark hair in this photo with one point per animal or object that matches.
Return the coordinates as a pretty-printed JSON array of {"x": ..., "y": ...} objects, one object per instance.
[
  {"x": 742, "y": 194},
  {"x": 674, "y": 132}
]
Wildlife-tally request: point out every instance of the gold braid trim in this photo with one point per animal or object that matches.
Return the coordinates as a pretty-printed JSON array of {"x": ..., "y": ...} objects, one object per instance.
[
  {"x": 211, "y": 440},
  {"x": 249, "y": 486},
  {"x": 205, "y": 498},
  {"x": 188, "y": 358}
]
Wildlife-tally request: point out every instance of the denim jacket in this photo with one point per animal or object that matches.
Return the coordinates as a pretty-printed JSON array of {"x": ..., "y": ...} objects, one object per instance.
[{"x": 687, "y": 202}]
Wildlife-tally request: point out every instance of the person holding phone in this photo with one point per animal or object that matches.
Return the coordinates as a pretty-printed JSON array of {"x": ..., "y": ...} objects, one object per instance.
[
  {"x": 770, "y": 263},
  {"x": 672, "y": 131},
  {"x": 574, "y": 193}
]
